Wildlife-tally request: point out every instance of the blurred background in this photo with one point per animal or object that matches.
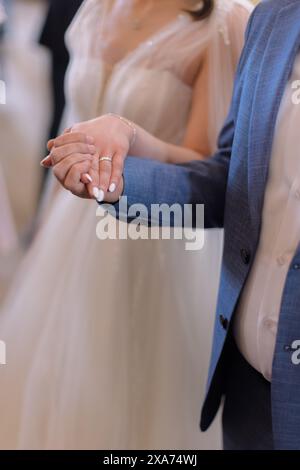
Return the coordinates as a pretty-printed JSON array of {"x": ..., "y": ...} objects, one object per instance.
[{"x": 33, "y": 60}]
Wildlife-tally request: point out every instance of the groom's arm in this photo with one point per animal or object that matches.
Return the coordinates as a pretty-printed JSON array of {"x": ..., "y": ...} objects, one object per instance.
[{"x": 149, "y": 182}]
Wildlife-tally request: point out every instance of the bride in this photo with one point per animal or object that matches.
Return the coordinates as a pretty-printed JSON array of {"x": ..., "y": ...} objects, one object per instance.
[{"x": 102, "y": 352}]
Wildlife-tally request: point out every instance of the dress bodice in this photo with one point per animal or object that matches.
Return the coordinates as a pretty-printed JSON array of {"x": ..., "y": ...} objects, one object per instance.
[{"x": 149, "y": 84}]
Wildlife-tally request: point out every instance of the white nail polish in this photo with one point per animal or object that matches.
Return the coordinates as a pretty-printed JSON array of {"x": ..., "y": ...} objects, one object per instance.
[
  {"x": 96, "y": 193},
  {"x": 45, "y": 161},
  {"x": 112, "y": 188},
  {"x": 101, "y": 195},
  {"x": 88, "y": 177}
]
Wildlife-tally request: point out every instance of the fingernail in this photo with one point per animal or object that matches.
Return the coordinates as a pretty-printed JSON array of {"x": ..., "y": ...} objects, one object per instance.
[
  {"x": 96, "y": 193},
  {"x": 101, "y": 195},
  {"x": 88, "y": 177},
  {"x": 90, "y": 139},
  {"x": 45, "y": 160},
  {"x": 92, "y": 149},
  {"x": 112, "y": 188}
]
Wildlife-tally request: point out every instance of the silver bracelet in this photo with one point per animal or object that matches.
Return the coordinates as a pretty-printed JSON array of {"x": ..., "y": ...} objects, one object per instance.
[{"x": 130, "y": 124}]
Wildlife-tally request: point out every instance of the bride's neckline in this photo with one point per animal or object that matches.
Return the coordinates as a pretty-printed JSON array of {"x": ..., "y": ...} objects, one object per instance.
[{"x": 150, "y": 41}]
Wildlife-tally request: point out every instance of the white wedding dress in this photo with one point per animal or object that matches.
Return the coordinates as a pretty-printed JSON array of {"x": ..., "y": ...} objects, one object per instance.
[
  {"x": 9, "y": 242},
  {"x": 108, "y": 341}
]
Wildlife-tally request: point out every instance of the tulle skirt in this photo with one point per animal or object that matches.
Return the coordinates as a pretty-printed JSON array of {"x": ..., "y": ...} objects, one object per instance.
[
  {"x": 9, "y": 243},
  {"x": 107, "y": 341}
]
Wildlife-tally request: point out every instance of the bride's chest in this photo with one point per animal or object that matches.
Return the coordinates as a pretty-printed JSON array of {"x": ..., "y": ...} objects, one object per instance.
[
  {"x": 118, "y": 43},
  {"x": 121, "y": 34},
  {"x": 96, "y": 86}
]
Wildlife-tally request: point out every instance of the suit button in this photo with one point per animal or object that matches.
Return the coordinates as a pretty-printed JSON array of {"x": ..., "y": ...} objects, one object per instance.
[
  {"x": 224, "y": 322},
  {"x": 245, "y": 255}
]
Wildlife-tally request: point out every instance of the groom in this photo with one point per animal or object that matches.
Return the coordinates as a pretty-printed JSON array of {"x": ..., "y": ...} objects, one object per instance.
[{"x": 252, "y": 188}]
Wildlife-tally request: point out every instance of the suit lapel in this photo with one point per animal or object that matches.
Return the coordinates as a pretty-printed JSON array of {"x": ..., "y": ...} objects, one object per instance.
[{"x": 276, "y": 67}]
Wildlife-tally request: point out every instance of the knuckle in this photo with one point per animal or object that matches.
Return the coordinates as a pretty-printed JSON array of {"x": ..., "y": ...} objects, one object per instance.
[
  {"x": 78, "y": 134},
  {"x": 94, "y": 165},
  {"x": 122, "y": 148},
  {"x": 83, "y": 148},
  {"x": 73, "y": 149},
  {"x": 73, "y": 173},
  {"x": 54, "y": 154},
  {"x": 59, "y": 141},
  {"x": 71, "y": 180},
  {"x": 70, "y": 149},
  {"x": 83, "y": 169},
  {"x": 73, "y": 160}
]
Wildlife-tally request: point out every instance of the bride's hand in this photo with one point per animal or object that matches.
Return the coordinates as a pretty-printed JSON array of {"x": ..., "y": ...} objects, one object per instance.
[
  {"x": 76, "y": 167},
  {"x": 101, "y": 167}
]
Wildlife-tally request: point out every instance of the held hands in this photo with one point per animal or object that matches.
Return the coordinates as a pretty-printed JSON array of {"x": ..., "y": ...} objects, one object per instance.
[{"x": 88, "y": 159}]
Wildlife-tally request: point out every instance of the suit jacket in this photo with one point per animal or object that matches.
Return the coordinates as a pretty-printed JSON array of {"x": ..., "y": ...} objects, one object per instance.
[{"x": 232, "y": 185}]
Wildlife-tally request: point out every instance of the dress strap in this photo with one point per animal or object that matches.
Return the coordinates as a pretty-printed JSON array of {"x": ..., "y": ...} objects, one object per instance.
[{"x": 223, "y": 8}]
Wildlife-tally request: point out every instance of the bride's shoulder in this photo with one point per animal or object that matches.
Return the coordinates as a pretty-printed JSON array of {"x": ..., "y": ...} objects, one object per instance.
[
  {"x": 232, "y": 16},
  {"x": 229, "y": 7}
]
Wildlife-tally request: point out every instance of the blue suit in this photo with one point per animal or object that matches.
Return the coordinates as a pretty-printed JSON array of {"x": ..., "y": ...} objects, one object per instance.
[{"x": 232, "y": 186}]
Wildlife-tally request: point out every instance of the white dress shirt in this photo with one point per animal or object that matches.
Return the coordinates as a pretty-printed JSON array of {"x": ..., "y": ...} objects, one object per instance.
[{"x": 256, "y": 321}]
